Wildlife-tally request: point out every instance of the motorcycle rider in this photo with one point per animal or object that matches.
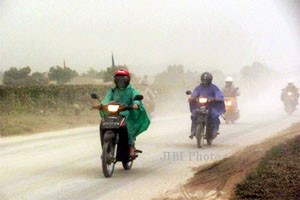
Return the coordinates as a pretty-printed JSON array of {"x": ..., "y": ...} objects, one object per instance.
[
  {"x": 214, "y": 94},
  {"x": 149, "y": 95},
  {"x": 137, "y": 120},
  {"x": 231, "y": 91},
  {"x": 290, "y": 88}
]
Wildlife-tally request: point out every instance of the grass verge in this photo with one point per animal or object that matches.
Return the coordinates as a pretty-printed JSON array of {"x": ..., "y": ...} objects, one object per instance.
[
  {"x": 276, "y": 177},
  {"x": 34, "y": 123}
]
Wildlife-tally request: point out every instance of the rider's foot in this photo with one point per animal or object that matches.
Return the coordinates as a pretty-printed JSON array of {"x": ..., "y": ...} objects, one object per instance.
[
  {"x": 215, "y": 135},
  {"x": 192, "y": 135},
  {"x": 131, "y": 151}
]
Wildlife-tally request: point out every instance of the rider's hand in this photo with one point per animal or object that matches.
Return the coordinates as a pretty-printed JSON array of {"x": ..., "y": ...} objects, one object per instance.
[
  {"x": 191, "y": 99},
  {"x": 135, "y": 106},
  {"x": 96, "y": 106}
]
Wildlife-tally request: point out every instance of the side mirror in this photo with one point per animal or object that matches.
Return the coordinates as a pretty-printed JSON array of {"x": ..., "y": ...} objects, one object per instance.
[
  {"x": 138, "y": 97},
  {"x": 94, "y": 96},
  {"x": 188, "y": 92}
]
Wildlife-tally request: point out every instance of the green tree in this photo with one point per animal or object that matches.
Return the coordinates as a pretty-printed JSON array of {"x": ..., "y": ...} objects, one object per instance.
[
  {"x": 16, "y": 77},
  {"x": 1, "y": 77},
  {"x": 22, "y": 77},
  {"x": 38, "y": 78},
  {"x": 92, "y": 73},
  {"x": 171, "y": 79},
  {"x": 61, "y": 74}
]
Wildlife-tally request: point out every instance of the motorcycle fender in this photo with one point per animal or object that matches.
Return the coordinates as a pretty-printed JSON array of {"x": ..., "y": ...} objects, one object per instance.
[
  {"x": 201, "y": 118},
  {"x": 109, "y": 136}
]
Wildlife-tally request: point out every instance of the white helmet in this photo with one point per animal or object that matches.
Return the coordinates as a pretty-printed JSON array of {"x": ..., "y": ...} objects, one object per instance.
[
  {"x": 290, "y": 81},
  {"x": 229, "y": 79}
]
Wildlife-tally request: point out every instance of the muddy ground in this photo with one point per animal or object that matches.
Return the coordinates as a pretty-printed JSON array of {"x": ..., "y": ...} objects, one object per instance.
[{"x": 218, "y": 180}]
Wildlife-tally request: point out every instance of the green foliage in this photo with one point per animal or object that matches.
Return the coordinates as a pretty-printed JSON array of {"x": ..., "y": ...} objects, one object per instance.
[
  {"x": 276, "y": 177},
  {"x": 22, "y": 77},
  {"x": 1, "y": 77},
  {"x": 39, "y": 78},
  {"x": 61, "y": 74},
  {"x": 51, "y": 98},
  {"x": 92, "y": 73},
  {"x": 15, "y": 77},
  {"x": 173, "y": 79},
  {"x": 256, "y": 72}
]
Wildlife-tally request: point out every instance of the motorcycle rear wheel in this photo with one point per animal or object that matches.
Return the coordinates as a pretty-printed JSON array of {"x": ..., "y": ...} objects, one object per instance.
[{"x": 108, "y": 164}]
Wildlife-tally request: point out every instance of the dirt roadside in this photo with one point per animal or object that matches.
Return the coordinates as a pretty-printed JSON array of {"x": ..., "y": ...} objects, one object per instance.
[{"x": 218, "y": 180}]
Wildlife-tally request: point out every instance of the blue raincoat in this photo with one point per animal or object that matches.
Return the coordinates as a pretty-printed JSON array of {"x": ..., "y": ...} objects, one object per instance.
[{"x": 216, "y": 108}]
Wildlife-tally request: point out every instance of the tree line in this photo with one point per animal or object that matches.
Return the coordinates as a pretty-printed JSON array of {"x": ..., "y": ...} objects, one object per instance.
[
  {"x": 60, "y": 75},
  {"x": 173, "y": 76}
]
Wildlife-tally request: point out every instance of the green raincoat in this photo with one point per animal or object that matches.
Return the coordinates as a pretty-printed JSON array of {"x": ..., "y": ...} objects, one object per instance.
[{"x": 137, "y": 120}]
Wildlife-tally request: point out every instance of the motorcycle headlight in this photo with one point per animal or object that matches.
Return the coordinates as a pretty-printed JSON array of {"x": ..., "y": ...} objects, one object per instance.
[
  {"x": 228, "y": 103},
  {"x": 113, "y": 108},
  {"x": 202, "y": 100},
  {"x": 289, "y": 93}
]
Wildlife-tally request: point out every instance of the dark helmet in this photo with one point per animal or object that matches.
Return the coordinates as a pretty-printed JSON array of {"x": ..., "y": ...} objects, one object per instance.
[
  {"x": 206, "y": 79},
  {"x": 122, "y": 78}
]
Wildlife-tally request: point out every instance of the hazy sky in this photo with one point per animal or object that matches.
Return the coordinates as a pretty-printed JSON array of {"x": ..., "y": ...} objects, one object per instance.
[{"x": 149, "y": 35}]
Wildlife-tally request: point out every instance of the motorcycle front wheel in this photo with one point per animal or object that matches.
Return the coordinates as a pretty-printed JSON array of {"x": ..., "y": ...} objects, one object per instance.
[
  {"x": 199, "y": 135},
  {"x": 209, "y": 134},
  {"x": 127, "y": 165},
  {"x": 108, "y": 164}
]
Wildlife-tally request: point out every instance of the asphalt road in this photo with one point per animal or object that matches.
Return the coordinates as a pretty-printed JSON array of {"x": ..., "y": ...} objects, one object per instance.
[{"x": 66, "y": 164}]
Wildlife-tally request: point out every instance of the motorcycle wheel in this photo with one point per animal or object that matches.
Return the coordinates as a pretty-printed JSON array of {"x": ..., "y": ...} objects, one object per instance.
[
  {"x": 199, "y": 135},
  {"x": 108, "y": 164},
  {"x": 127, "y": 165},
  {"x": 209, "y": 136}
]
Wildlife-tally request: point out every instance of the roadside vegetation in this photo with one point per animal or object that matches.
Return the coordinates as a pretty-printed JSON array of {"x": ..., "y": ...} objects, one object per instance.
[
  {"x": 276, "y": 177},
  {"x": 40, "y": 101},
  {"x": 31, "y": 109},
  {"x": 30, "y": 105}
]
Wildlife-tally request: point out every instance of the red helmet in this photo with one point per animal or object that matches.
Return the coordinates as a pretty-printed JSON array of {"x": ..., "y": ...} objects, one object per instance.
[
  {"x": 122, "y": 72},
  {"x": 122, "y": 78}
]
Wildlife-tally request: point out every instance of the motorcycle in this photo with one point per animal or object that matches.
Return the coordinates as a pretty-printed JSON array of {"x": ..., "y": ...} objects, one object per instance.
[
  {"x": 231, "y": 114},
  {"x": 204, "y": 126},
  {"x": 290, "y": 102},
  {"x": 114, "y": 137},
  {"x": 149, "y": 101},
  {"x": 150, "y": 106}
]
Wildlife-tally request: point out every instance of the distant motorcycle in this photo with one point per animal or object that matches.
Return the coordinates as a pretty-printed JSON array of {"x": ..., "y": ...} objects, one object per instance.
[
  {"x": 204, "y": 126},
  {"x": 150, "y": 106},
  {"x": 231, "y": 114},
  {"x": 290, "y": 102},
  {"x": 149, "y": 100},
  {"x": 114, "y": 137}
]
